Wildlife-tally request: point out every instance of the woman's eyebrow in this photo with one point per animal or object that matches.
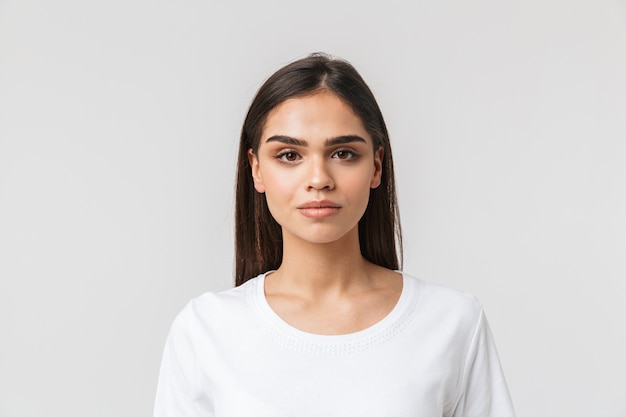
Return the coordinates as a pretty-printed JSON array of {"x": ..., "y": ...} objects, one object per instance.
[
  {"x": 339, "y": 140},
  {"x": 288, "y": 140}
]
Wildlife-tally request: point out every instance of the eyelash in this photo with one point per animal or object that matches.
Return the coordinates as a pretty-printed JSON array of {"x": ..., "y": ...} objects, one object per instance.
[
  {"x": 282, "y": 156},
  {"x": 352, "y": 154}
]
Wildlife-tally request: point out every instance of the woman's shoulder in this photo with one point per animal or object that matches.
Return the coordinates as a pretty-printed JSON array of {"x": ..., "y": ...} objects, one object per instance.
[
  {"x": 445, "y": 301},
  {"x": 215, "y": 307}
]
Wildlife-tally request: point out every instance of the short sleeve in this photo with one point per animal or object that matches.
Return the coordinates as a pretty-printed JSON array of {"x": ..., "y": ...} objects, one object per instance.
[
  {"x": 482, "y": 390},
  {"x": 177, "y": 386}
]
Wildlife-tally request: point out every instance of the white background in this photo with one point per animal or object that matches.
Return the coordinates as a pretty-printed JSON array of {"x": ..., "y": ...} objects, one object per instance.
[{"x": 119, "y": 123}]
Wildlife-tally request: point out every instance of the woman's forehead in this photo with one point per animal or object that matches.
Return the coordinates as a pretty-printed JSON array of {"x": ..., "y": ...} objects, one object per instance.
[{"x": 316, "y": 116}]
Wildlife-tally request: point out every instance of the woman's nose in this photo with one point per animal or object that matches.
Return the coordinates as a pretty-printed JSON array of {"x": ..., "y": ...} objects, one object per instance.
[{"x": 319, "y": 177}]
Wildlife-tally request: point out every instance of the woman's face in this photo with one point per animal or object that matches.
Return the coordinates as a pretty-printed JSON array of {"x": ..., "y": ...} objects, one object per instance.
[{"x": 316, "y": 165}]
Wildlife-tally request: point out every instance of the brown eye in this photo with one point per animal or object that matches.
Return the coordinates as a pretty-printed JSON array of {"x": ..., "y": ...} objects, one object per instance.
[
  {"x": 288, "y": 156},
  {"x": 344, "y": 154}
]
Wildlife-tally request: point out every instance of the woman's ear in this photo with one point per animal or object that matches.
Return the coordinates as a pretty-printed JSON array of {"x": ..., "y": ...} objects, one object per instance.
[
  {"x": 256, "y": 172},
  {"x": 378, "y": 167}
]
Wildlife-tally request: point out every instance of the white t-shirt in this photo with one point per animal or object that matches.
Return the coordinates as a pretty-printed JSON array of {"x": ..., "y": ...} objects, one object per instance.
[{"x": 229, "y": 355}]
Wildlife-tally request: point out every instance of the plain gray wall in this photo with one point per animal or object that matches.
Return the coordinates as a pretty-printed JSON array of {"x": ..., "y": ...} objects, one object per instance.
[{"x": 119, "y": 123}]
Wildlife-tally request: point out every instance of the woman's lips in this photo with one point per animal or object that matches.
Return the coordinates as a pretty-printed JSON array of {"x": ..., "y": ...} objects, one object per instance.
[{"x": 318, "y": 209}]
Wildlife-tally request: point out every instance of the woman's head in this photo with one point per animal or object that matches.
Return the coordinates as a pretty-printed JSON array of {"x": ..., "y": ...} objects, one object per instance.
[{"x": 258, "y": 236}]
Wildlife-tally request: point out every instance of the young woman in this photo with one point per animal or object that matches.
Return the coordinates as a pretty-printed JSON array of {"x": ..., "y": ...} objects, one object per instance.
[{"x": 321, "y": 322}]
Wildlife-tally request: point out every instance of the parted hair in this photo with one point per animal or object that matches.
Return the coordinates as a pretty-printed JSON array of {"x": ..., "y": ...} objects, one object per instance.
[{"x": 258, "y": 237}]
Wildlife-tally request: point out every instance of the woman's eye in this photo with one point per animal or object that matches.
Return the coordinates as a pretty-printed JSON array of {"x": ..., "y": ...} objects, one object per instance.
[
  {"x": 288, "y": 156},
  {"x": 344, "y": 154}
]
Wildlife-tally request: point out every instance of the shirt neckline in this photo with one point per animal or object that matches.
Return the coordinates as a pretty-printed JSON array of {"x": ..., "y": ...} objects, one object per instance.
[{"x": 297, "y": 339}]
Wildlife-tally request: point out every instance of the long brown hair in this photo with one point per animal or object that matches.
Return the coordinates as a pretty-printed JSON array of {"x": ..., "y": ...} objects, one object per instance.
[{"x": 258, "y": 238}]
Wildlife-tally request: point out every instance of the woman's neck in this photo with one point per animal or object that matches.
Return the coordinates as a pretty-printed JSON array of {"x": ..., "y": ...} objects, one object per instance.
[
  {"x": 330, "y": 288},
  {"x": 314, "y": 268}
]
